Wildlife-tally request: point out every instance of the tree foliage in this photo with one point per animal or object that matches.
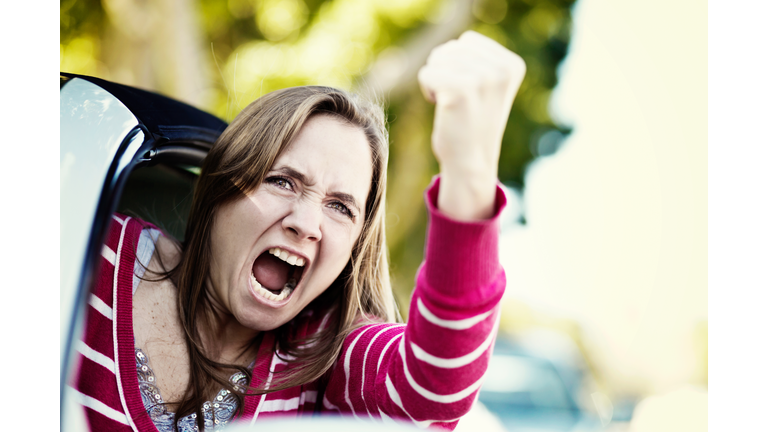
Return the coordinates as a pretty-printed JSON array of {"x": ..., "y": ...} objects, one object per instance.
[{"x": 232, "y": 51}]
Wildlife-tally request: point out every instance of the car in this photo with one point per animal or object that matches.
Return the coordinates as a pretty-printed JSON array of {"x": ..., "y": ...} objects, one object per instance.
[
  {"x": 122, "y": 149},
  {"x": 538, "y": 381}
]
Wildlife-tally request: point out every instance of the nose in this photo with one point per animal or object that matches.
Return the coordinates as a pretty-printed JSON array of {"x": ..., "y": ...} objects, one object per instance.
[{"x": 303, "y": 221}]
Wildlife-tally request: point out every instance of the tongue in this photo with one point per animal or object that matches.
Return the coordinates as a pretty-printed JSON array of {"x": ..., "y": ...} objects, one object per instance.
[{"x": 271, "y": 272}]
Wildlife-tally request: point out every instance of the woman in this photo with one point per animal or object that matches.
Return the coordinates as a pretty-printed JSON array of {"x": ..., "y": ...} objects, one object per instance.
[{"x": 278, "y": 302}]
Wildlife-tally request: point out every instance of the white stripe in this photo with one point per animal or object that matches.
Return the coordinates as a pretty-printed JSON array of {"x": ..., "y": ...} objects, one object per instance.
[
  {"x": 308, "y": 396},
  {"x": 108, "y": 254},
  {"x": 122, "y": 222},
  {"x": 95, "y": 356},
  {"x": 278, "y": 360},
  {"x": 386, "y": 419},
  {"x": 288, "y": 404},
  {"x": 99, "y": 407},
  {"x": 280, "y": 405},
  {"x": 395, "y": 396},
  {"x": 365, "y": 360},
  {"x": 434, "y": 397},
  {"x": 266, "y": 387},
  {"x": 453, "y": 362},
  {"x": 120, "y": 391},
  {"x": 450, "y": 324},
  {"x": 381, "y": 356},
  {"x": 100, "y": 306},
  {"x": 328, "y": 405},
  {"x": 347, "y": 358}
]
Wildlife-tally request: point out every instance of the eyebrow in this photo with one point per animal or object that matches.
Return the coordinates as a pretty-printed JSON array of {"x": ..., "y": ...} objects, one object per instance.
[{"x": 341, "y": 196}]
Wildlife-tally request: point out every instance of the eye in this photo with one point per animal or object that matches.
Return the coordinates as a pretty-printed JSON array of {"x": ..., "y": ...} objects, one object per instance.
[
  {"x": 341, "y": 208},
  {"x": 281, "y": 182}
]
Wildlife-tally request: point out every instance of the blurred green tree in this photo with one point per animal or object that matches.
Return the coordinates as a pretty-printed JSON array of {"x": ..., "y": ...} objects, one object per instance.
[{"x": 221, "y": 55}]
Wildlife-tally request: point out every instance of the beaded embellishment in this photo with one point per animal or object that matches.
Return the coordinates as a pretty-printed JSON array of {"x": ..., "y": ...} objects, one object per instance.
[{"x": 217, "y": 413}]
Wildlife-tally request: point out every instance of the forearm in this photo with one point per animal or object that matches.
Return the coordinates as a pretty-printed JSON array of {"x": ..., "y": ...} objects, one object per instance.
[
  {"x": 430, "y": 370},
  {"x": 437, "y": 368}
]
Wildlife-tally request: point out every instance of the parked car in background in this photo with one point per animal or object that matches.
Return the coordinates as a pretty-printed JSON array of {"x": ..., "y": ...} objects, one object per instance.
[{"x": 538, "y": 381}]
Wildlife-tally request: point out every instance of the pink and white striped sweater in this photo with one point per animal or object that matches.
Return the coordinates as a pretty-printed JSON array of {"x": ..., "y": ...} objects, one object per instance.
[{"x": 428, "y": 371}]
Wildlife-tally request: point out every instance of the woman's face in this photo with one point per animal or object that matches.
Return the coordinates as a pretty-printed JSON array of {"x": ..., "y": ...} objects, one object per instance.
[{"x": 297, "y": 228}]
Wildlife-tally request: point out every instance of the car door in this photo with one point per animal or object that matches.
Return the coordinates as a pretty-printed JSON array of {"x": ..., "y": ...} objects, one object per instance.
[{"x": 122, "y": 149}]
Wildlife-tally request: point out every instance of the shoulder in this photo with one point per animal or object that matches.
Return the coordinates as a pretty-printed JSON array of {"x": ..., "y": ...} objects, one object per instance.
[
  {"x": 118, "y": 253},
  {"x": 167, "y": 254},
  {"x": 124, "y": 231},
  {"x": 124, "y": 235}
]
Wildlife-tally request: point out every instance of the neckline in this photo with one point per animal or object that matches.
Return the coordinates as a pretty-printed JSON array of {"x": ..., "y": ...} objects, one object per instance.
[{"x": 217, "y": 412}]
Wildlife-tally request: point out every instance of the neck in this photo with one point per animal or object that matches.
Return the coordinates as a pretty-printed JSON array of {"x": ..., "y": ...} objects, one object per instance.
[{"x": 226, "y": 340}]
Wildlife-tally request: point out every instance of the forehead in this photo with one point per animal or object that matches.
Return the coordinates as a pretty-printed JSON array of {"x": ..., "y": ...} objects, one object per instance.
[{"x": 333, "y": 154}]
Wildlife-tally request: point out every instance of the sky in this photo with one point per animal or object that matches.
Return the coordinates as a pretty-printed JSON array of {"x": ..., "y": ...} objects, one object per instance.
[{"x": 616, "y": 231}]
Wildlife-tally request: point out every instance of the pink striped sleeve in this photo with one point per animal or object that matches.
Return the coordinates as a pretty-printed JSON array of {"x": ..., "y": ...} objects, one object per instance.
[{"x": 429, "y": 372}]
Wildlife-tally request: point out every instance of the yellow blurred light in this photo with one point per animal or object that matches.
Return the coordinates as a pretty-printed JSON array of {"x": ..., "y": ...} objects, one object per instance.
[
  {"x": 359, "y": 59},
  {"x": 79, "y": 56},
  {"x": 354, "y": 19},
  {"x": 277, "y": 19},
  {"x": 250, "y": 64},
  {"x": 405, "y": 12},
  {"x": 490, "y": 11},
  {"x": 320, "y": 52},
  {"x": 544, "y": 20}
]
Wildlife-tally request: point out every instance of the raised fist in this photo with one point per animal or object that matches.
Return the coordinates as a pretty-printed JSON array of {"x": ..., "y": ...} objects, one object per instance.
[{"x": 472, "y": 81}]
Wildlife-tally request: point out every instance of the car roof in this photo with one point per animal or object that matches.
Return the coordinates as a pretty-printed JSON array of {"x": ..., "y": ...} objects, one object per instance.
[{"x": 161, "y": 115}]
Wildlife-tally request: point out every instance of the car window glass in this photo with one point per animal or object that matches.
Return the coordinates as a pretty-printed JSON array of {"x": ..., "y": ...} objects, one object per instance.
[{"x": 160, "y": 194}]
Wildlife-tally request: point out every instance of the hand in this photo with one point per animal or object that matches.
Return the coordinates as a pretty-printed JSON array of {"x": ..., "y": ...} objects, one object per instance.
[{"x": 472, "y": 81}]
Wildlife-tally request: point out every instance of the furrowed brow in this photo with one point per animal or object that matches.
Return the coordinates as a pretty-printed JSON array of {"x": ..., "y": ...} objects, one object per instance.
[
  {"x": 341, "y": 196},
  {"x": 346, "y": 199},
  {"x": 295, "y": 174}
]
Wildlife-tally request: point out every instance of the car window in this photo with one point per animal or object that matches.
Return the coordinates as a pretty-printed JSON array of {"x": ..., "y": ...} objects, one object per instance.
[{"x": 161, "y": 194}]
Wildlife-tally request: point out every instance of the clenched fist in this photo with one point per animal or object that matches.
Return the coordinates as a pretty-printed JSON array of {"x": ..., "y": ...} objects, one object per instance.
[{"x": 472, "y": 81}]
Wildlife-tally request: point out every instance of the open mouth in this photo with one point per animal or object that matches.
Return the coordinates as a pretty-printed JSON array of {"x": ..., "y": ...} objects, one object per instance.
[{"x": 276, "y": 273}]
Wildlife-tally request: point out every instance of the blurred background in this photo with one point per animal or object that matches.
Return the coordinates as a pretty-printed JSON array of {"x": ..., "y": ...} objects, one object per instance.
[{"x": 604, "y": 159}]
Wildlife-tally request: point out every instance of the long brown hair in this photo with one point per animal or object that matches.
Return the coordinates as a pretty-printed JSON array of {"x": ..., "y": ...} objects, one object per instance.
[{"x": 237, "y": 164}]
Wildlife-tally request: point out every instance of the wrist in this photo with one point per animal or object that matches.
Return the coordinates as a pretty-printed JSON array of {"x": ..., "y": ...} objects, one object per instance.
[{"x": 467, "y": 197}]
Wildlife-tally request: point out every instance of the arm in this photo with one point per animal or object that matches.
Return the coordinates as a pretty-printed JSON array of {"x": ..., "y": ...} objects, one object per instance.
[
  {"x": 430, "y": 370},
  {"x": 473, "y": 82}
]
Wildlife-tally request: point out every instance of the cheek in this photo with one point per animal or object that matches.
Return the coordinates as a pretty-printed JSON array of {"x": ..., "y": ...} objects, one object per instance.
[{"x": 337, "y": 251}]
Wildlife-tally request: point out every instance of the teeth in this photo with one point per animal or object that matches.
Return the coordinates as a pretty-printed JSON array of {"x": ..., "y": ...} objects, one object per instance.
[
  {"x": 288, "y": 257},
  {"x": 291, "y": 259},
  {"x": 284, "y": 293}
]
